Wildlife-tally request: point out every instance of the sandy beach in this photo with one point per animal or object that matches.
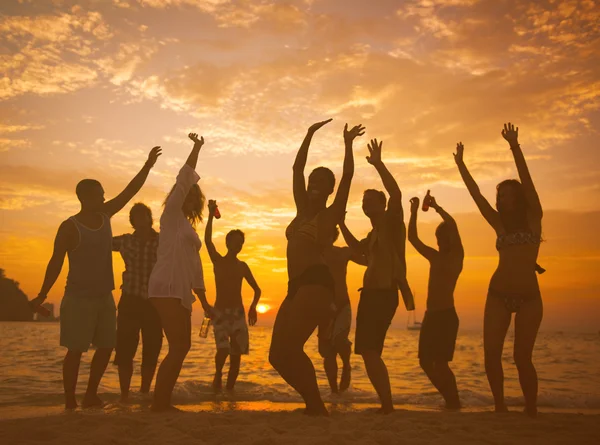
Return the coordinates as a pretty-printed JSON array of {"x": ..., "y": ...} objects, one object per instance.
[{"x": 251, "y": 424}]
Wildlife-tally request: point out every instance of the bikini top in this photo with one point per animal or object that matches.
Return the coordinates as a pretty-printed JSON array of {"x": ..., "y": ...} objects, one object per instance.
[{"x": 519, "y": 239}]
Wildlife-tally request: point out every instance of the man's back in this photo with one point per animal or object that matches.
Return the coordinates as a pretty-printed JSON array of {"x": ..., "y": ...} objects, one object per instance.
[{"x": 229, "y": 274}]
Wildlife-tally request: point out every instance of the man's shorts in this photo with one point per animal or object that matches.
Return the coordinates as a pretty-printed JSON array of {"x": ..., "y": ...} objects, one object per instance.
[
  {"x": 438, "y": 335},
  {"x": 376, "y": 309},
  {"x": 335, "y": 340},
  {"x": 88, "y": 320},
  {"x": 137, "y": 314},
  {"x": 231, "y": 330}
]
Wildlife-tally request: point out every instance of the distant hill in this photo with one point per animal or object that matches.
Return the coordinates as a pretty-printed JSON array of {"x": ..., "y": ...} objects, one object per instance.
[{"x": 14, "y": 304}]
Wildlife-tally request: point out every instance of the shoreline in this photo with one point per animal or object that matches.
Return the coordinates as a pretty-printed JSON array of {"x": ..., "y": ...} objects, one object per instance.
[
  {"x": 246, "y": 424},
  {"x": 266, "y": 406}
]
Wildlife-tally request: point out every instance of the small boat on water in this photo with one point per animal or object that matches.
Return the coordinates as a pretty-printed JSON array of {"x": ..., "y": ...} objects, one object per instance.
[{"x": 411, "y": 323}]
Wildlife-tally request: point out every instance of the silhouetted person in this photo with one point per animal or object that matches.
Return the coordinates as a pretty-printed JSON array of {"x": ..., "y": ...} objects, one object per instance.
[
  {"x": 229, "y": 315},
  {"x": 334, "y": 341},
  {"x": 384, "y": 248},
  {"x": 310, "y": 298},
  {"x": 514, "y": 287},
  {"x": 87, "y": 310},
  {"x": 178, "y": 272},
  {"x": 136, "y": 313},
  {"x": 440, "y": 324}
]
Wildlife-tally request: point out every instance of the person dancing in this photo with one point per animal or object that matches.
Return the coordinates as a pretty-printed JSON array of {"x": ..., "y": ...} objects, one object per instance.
[
  {"x": 310, "y": 298},
  {"x": 514, "y": 288}
]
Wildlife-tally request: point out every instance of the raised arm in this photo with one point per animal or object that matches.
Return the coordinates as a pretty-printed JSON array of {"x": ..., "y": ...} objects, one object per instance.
[
  {"x": 390, "y": 184},
  {"x": 299, "y": 182},
  {"x": 252, "y": 315},
  {"x": 335, "y": 212},
  {"x": 428, "y": 252},
  {"x": 62, "y": 242},
  {"x": 350, "y": 239},
  {"x": 484, "y": 206},
  {"x": 448, "y": 220},
  {"x": 118, "y": 202},
  {"x": 212, "y": 250},
  {"x": 511, "y": 134},
  {"x": 186, "y": 177}
]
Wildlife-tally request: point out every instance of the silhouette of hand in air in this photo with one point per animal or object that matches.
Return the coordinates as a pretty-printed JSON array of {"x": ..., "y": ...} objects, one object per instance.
[
  {"x": 212, "y": 206},
  {"x": 374, "y": 147},
  {"x": 194, "y": 137},
  {"x": 432, "y": 203},
  {"x": 153, "y": 156},
  {"x": 458, "y": 156},
  {"x": 511, "y": 134},
  {"x": 350, "y": 135},
  {"x": 414, "y": 205},
  {"x": 314, "y": 127}
]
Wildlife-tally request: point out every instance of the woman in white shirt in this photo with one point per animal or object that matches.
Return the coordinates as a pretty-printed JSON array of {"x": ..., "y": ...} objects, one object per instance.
[{"x": 178, "y": 273}]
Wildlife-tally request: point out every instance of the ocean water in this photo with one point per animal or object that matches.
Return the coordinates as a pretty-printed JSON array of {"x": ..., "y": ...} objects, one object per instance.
[{"x": 568, "y": 366}]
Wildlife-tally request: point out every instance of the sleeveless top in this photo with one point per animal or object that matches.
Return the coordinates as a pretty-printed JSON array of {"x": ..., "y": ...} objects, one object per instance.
[{"x": 90, "y": 263}]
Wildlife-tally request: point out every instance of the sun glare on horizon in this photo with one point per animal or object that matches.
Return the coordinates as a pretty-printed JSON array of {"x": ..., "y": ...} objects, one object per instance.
[{"x": 263, "y": 308}]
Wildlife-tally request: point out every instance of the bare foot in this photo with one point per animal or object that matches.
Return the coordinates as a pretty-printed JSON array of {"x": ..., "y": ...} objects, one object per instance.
[
  {"x": 501, "y": 409},
  {"x": 531, "y": 412},
  {"x": 385, "y": 410},
  {"x": 317, "y": 412},
  {"x": 218, "y": 382},
  {"x": 345, "y": 379},
  {"x": 92, "y": 401},
  {"x": 71, "y": 403},
  {"x": 453, "y": 406}
]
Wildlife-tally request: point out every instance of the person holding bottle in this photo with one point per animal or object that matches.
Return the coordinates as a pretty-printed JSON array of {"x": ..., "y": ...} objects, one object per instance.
[
  {"x": 177, "y": 273},
  {"x": 437, "y": 338},
  {"x": 229, "y": 317}
]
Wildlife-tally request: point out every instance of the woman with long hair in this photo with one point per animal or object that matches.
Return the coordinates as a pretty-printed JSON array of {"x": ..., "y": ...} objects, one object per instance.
[
  {"x": 310, "y": 299},
  {"x": 178, "y": 273},
  {"x": 517, "y": 221}
]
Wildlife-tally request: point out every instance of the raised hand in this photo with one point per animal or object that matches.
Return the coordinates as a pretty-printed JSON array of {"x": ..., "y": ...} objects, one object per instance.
[
  {"x": 458, "y": 156},
  {"x": 374, "y": 147},
  {"x": 194, "y": 137},
  {"x": 153, "y": 156},
  {"x": 432, "y": 203},
  {"x": 314, "y": 127},
  {"x": 350, "y": 135},
  {"x": 511, "y": 134},
  {"x": 212, "y": 207},
  {"x": 414, "y": 205}
]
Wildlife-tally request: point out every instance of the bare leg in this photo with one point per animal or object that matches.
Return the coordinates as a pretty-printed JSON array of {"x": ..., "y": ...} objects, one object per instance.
[
  {"x": 331, "y": 370},
  {"x": 447, "y": 385},
  {"x": 97, "y": 368},
  {"x": 176, "y": 322},
  {"x": 430, "y": 370},
  {"x": 125, "y": 373},
  {"x": 220, "y": 358},
  {"x": 380, "y": 379},
  {"x": 70, "y": 373},
  {"x": 527, "y": 324},
  {"x": 151, "y": 346},
  {"x": 296, "y": 321},
  {"x": 346, "y": 369},
  {"x": 496, "y": 321},
  {"x": 234, "y": 370}
]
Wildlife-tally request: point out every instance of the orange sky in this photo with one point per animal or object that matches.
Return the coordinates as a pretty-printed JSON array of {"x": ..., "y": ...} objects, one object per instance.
[{"x": 88, "y": 87}]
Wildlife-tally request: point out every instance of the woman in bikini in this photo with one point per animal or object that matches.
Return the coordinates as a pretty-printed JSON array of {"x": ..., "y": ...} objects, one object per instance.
[
  {"x": 517, "y": 222},
  {"x": 310, "y": 298}
]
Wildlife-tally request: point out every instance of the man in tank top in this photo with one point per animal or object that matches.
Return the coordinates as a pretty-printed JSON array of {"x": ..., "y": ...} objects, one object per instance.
[{"x": 87, "y": 310}]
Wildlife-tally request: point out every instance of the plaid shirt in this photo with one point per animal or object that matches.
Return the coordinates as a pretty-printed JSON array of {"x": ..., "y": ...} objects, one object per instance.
[{"x": 139, "y": 257}]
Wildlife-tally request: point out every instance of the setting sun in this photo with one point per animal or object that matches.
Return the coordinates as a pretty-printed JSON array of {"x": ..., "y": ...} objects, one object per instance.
[{"x": 263, "y": 308}]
